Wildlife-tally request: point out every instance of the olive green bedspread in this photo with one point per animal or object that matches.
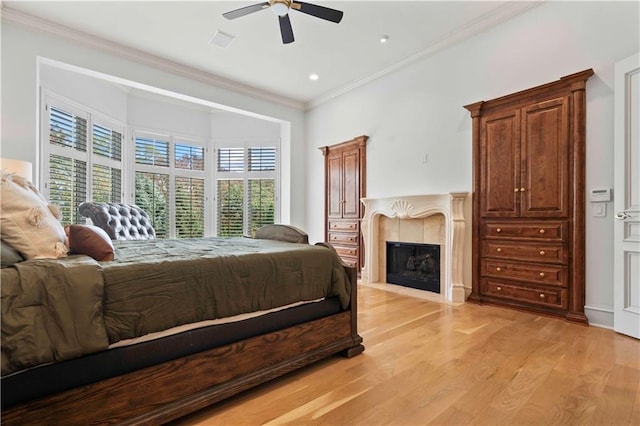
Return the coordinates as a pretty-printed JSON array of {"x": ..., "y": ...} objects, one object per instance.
[{"x": 59, "y": 309}]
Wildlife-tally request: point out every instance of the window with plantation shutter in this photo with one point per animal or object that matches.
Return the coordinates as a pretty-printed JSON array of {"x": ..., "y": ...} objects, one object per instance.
[
  {"x": 170, "y": 184},
  {"x": 107, "y": 142},
  {"x": 188, "y": 189},
  {"x": 83, "y": 158},
  {"x": 152, "y": 152},
  {"x": 67, "y": 186},
  {"x": 107, "y": 184},
  {"x": 67, "y": 129},
  {"x": 230, "y": 207},
  {"x": 245, "y": 189},
  {"x": 261, "y": 203},
  {"x": 152, "y": 195},
  {"x": 262, "y": 159},
  {"x": 189, "y": 205},
  {"x": 189, "y": 157}
]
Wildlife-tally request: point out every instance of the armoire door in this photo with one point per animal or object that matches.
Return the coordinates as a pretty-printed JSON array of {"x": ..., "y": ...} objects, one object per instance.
[
  {"x": 500, "y": 168},
  {"x": 544, "y": 185},
  {"x": 351, "y": 185},
  {"x": 334, "y": 190}
]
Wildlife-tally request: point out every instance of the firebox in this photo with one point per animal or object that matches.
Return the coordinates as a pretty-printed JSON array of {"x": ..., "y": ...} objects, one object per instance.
[{"x": 414, "y": 265}]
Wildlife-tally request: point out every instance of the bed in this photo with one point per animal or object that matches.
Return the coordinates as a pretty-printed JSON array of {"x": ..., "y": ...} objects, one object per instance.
[{"x": 152, "y": 362}]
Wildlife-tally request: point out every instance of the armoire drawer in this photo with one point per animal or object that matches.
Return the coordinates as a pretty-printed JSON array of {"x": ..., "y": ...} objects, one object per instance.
[
  {"x": 343, "y": 238},
  {"x": 549, "y": 231},
  {"x": 343, "y": 225},
  {"x": 535, "y": 252},
  {"x": 347, "y": 251},
  {"x": 556, "y": 275},
  {"x": 349, "y": 261},
  {"x": 542, "y": 296}
]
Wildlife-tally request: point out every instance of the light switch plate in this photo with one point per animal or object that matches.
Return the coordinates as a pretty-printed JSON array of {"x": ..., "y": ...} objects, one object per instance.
[{"x": 599, "y": 209}]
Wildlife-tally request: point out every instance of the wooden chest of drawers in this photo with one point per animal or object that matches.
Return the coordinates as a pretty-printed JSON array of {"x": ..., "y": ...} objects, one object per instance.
[
  {"x": 525, "y": 263},
  {"x": 344, "y": 236},
  {"x": 528, "y": 247}
]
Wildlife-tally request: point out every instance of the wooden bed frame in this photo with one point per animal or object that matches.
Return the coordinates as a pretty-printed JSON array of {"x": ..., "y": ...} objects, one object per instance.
[{"x": 167, "y": 391}]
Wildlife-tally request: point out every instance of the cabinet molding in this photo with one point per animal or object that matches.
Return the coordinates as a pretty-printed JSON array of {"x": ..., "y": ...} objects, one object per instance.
[{"x": 528, "y": 227}]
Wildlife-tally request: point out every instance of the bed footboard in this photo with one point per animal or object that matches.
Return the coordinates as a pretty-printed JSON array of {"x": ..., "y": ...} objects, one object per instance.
[{"x": 170, "y": 390}]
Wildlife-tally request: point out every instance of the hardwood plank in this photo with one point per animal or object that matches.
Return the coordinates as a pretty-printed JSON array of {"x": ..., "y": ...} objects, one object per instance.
[{"x": 434, "y": 363}]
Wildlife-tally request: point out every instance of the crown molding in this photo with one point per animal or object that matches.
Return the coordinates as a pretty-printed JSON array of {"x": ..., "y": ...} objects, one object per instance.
[
  {"x": 494, "y": 17},
  {"x": 135, "y": 55}
]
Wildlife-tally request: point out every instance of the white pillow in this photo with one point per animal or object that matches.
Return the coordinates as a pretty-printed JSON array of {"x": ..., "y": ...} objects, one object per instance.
[{"x": 28, "y": 222}]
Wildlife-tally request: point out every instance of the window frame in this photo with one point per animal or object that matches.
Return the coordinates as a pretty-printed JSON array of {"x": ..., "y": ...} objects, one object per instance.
[
  {"x": 51, "y": 99},
  {"x": 246, "y": 176},
  {"x": 172, "y": 171},
  {"x": 128, "y": 166}
]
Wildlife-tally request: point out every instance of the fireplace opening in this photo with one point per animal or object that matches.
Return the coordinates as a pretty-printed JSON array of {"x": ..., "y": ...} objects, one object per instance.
[{"x": 414, "y": 265}]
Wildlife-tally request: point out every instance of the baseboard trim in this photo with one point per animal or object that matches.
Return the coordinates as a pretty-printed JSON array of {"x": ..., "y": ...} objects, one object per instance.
[{"x": 599, "y": 316}]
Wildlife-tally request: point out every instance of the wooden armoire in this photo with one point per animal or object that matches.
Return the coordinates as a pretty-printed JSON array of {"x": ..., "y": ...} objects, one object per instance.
[
  {"x": 345, "y": 166},
  {"x": 529, "y": 199}
]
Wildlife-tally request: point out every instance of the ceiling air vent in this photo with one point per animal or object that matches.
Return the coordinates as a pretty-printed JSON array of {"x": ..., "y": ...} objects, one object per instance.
[{"x": 221, "y": 39}]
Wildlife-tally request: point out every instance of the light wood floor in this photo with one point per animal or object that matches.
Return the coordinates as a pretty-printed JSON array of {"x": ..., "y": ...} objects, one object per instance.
[{"x": 428, "y": 363}]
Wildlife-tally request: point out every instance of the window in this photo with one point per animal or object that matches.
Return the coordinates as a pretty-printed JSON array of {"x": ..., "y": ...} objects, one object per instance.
[
  {"x": 170, "y": 184},
  {"x": 245, "y": 189},
  {"x": 83, "y": 158},
  {"x": 187, "y": 192}
]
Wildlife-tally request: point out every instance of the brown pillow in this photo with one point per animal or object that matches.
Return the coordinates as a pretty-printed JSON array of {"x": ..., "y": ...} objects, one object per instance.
[{"x": 90, "y": 240}]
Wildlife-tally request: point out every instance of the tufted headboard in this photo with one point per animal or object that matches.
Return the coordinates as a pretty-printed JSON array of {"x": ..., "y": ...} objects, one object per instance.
[{"x": 120, "y": 221}]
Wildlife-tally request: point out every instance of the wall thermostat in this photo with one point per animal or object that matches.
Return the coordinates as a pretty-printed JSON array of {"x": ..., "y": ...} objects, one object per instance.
[{"x": 600, "y": 195}]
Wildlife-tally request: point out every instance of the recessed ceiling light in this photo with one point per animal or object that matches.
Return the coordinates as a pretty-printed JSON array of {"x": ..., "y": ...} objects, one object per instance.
[
  {"x": 384, "y": 38},
  {"x": 313, "y": 77}
]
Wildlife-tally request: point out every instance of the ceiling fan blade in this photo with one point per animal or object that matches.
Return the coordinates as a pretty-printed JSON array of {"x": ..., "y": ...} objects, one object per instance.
[
  {"x": 285, "y": 29},
  {"x": 321, "y": 12},
  {"x": 245, "y": 10}
]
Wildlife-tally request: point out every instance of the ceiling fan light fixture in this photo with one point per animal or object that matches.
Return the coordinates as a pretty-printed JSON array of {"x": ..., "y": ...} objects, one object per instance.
[{"x": 280, "y": 7}]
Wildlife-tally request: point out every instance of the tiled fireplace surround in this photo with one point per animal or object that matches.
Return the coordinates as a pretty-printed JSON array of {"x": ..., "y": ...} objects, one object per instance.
[{"x": 429, "y": 219}]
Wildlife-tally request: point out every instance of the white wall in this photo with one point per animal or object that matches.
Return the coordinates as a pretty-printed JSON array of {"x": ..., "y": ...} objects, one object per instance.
[
  {"x": 90, "y": 92},
  {"x": 418, "y": 111},
  {"x": 175, "y": 119},
  {"x": 23, "y": 45}
]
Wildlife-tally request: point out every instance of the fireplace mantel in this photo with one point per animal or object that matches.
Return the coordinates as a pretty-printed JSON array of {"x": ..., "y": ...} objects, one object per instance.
[{"x": 451, "y": 206}]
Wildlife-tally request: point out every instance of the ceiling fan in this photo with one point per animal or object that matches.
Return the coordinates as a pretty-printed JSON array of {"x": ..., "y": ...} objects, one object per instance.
[{"x": 281, "y": 8}]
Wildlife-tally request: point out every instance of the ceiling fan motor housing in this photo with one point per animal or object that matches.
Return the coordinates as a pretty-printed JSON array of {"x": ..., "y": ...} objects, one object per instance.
[{"x": 280, "y": 7}]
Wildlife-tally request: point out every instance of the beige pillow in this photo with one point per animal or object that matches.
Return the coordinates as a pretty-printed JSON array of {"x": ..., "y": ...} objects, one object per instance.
[
  {"x": 28, "y": 223},
  {"x": 90, "y": 240}
]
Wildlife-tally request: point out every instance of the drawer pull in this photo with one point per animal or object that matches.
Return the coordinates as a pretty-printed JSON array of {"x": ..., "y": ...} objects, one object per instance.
[
  {"x": 498, "y": 269},
  {"x": 522, "y": 189},
  {"x": 499, "y": 230},
  {"x": 515, "y": 190},
  {"x": 542, "y": 253},
  {"x": 542, "y": 274},
  {"x": 542, "y": 231},
  {"x": 542, "y": 296},
  {"x": 499, "y": 250},
  {"x": 499, "y": 288}
]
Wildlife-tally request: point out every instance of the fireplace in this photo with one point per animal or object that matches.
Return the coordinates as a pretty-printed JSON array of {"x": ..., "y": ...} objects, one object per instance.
[
  {"x": 414, "y": 265},
  {"x": 404, "y": 210}
]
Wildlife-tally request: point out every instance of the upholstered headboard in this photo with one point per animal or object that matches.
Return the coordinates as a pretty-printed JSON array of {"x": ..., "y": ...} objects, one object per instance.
[{"x": 120, "y": 221}]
